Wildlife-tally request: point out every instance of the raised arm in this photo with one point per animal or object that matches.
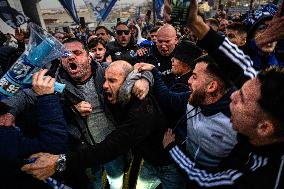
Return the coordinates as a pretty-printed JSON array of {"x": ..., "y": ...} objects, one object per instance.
[
  {"x": 230, "y": 58},
  {"x": 52, "y": 134},
  {"x": 175, "y": 101}
]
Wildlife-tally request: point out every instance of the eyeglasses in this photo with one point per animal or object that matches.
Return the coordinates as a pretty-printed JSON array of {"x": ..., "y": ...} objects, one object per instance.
[{"x": 120, "y": 32}]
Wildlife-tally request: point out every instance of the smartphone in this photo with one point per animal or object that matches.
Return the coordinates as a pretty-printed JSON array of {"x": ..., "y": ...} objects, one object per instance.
[{"x": 179, "y": 13}]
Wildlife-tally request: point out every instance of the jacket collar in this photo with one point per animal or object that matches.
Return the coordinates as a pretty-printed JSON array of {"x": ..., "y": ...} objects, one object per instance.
[{"x": 221, "y": 105}]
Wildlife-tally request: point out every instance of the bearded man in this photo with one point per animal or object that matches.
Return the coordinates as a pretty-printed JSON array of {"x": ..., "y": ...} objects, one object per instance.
[{"x": 204, "y": 123}]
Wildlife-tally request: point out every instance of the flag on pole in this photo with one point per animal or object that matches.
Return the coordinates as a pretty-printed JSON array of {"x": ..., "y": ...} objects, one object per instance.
[
  {"x": 70, "y": 7},
  {"x": 159, "y": 6},
  {"x": 10, "y": 15},
  {"x": 100, "y": 8}
]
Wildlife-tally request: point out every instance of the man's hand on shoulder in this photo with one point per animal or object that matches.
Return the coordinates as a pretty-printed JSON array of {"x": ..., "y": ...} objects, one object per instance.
[
  {"x": 141, "y": 88},
  {"x": 143, "y": 67}
]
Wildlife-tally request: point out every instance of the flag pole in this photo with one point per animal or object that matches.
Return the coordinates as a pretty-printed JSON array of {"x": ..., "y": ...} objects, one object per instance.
[{"x": 154, "y": 11}]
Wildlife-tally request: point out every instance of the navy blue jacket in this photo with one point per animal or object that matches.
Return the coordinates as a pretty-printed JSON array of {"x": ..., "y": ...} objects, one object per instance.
[
  {"x": 17, "y": 143},
  {"x": 172, "y": 103}
]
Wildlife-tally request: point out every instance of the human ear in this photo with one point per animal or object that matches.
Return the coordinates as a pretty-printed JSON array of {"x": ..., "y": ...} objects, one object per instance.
[
  {"x": 243, "y": 41},
  {"x": 212, "y": 86},
  {"x": 265, "y": 128}
]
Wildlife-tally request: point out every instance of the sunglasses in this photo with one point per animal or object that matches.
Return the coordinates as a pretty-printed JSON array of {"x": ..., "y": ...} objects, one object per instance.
[{"x": 120, "y": 32}]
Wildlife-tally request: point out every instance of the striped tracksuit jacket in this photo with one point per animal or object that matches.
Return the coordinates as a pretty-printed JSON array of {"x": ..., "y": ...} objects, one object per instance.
[{"x": 263, "y": 166}]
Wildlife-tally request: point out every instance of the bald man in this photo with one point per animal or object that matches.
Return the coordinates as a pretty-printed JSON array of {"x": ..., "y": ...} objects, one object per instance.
[
  {"x": 140, "y": 126},
  {"x": 161, "y": 54}
]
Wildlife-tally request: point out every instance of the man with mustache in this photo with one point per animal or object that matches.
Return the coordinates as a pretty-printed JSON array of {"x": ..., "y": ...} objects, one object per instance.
[
  {"x": 124, "y": 47},
  {"x": 204, "y": 116},
  {"x": 88, "y": 118},
  {"x": 140, "y": 127},
  {"x": 256, "y": 114}
]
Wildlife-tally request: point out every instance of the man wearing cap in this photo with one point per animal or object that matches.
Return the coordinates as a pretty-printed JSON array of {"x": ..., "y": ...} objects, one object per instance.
[
  {"x": 262, "y": 55},
  {"x": 183, "y": 64}
]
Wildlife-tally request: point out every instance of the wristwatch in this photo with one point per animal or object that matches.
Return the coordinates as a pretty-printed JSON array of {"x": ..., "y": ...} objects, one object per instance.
[{"x": 61, "y": 163}]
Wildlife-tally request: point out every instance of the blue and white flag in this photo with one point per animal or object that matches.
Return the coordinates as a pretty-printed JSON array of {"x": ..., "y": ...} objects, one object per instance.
[
  {"x": 100, "y": 8},
  {"x": 269, "y": 9},
  {"x": 159, "y": 6},
  {"x": 70, "y": 7},
  {"x": 10, "y": 15}
]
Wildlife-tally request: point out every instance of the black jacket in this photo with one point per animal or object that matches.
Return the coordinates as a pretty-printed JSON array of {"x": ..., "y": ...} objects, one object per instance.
[
  {"x": 77, "y": 128},
  {"x": 118, "y": 52},
  {"x": 162, "y": 63},
  {"x": 141, "y": 126},
  {"x": 18, "y": 143},
  {"x": 247, "y": 167},
  {"x": 180, "y": 83}
]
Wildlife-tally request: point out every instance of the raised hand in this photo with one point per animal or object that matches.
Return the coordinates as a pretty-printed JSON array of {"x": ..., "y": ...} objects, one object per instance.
[
  {"x": 42, "y": 85},
  {"x": 19, "y": 35},
  {"x": 274, "y": 31},
  {"x": 193, "y": 12},
  {"x": 167, "y": 11},
  {"x": 195, "y": 22}
]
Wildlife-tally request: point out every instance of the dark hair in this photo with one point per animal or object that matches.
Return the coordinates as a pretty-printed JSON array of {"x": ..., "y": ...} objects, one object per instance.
[
  {"x": 3, "y": 38},
  {"x": 95, "y": 41},
  {"x": 214, "y": 70},
  {"x": 75, "y": 39},
  {"x": 121, "y": 23},
  {"x": 155, "y": 29},
  {"x": 159, "y": 23},
  {"x": 260, "y": 21},
  {"x": 238, "y": 26},
  {"x": 102, "y": 27},
  {"x": 272, "y": 95},
  {"x": 8, "y": 56},
  {"x": 213, "y": 22}
]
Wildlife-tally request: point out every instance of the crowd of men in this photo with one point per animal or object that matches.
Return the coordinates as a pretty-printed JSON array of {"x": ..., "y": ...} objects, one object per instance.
[{"x": 192, "y": 107}]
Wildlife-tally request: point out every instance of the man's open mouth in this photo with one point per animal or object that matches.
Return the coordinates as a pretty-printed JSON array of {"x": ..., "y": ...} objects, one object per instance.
[
  {"x": 73, "y": 67},
  {"x": 108, "y": 94}
]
